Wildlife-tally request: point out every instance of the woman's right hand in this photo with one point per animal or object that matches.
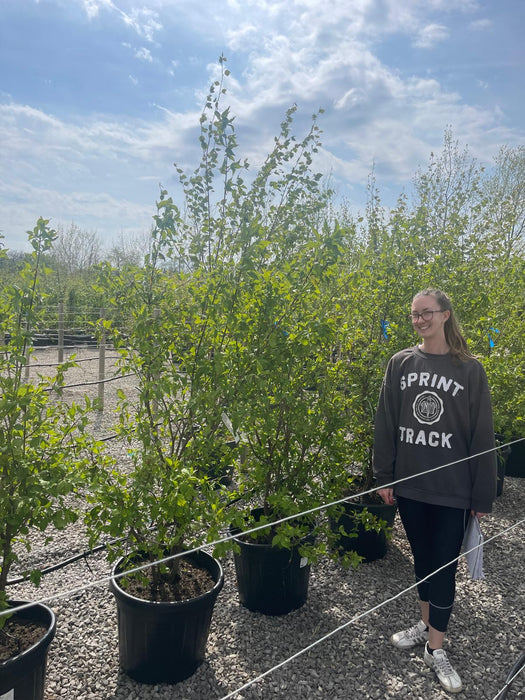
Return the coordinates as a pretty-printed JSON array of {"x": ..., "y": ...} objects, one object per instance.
[{"x": 387, "y": 495}]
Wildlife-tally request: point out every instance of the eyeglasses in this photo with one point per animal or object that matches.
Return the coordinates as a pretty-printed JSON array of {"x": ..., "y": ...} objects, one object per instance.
[{"x": 425, "y": 315}]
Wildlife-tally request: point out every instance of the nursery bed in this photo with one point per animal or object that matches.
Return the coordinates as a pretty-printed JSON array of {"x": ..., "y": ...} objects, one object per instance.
[{"x": 486, "y": 634}]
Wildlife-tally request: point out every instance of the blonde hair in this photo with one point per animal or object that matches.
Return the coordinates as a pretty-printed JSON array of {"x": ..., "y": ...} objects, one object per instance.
[{"x": 453, "y": 335}]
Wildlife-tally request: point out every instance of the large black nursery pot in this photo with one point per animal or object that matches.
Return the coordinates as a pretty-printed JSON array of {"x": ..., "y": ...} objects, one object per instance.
[
  {"x": 22, "y": 677},
  {"x": 369, "y": 544},
  {"x": 271, "y": 580},
  {"x": 515, "y": 465},
  {"x": 164, "y": 642}
]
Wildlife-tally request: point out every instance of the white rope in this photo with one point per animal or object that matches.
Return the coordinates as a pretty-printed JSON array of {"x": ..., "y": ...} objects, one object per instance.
[
  {"x": 361, "y": 615},
  {"x": 77, "y": 360},
  {"x": 222, "y": 540},
  {"x": 81, "y": 346},
  {"x": 116, "y": 377},
  {"x": 509, "y": 682},
  {"x": 69, "y": 311}
]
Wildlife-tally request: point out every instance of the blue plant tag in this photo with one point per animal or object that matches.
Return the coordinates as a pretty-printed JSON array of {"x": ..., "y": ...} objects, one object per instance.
[{"x": 491, "y": 341}]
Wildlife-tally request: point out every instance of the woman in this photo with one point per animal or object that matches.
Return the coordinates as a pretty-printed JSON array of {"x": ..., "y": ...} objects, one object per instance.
[{"x": 435, "y": 409}]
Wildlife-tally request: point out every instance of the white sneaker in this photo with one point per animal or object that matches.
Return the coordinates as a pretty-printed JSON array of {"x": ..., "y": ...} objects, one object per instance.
[
  {"x": 446, "y": 675},
  {"x": 417, "y": 634}
]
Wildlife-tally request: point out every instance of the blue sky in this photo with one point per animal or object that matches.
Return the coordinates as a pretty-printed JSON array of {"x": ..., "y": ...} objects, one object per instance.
[{"x": 98, "y": 98}]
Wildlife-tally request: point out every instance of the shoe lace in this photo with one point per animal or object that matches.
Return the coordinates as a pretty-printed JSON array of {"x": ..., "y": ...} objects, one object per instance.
[
  {"x": 414, "y": 632},
  {"x": 444, "y": 664}
]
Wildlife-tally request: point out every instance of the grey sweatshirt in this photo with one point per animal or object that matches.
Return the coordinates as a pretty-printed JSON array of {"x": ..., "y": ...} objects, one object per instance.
[{"x": 436, "y": 409}]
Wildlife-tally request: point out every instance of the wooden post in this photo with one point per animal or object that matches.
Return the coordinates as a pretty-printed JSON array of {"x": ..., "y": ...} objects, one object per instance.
[
  {"x": 101, "y": 361},
  {"x": 60, "y": 340}
]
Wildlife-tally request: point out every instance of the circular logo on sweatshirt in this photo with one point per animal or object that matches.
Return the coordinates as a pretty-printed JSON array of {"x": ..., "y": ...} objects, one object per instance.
[{"x": 427, "y": 407}]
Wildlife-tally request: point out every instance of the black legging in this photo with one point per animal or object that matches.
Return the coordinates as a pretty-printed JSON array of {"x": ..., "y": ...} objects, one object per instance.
[{"x": 435, "y": 534}]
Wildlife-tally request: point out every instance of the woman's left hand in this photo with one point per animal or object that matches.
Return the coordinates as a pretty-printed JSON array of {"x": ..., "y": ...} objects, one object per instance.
[{"x": 477, "y": 515}]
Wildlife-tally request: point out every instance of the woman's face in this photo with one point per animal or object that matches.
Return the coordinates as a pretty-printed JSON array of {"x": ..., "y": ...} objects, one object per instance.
[{"x": 427, "y": 318}]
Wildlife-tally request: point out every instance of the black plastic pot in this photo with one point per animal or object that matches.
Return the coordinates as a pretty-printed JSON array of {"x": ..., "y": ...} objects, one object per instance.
[
  {"x": 516, "y": 460},
  {"x": 23, "y": 676},
  {"x": 271, "y": 580},
  {"x": 369, "y": 544},
  {"x": 502, "y": 466},
  {"x": 164, "y": 642}
]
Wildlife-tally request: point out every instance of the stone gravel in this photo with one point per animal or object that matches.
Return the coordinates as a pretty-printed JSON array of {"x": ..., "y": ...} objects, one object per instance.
[{"x": 486, "y": 633}]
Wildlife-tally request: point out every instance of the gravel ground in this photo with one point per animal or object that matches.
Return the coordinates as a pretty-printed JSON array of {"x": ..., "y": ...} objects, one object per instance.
[{"x": 486, "y": 634}]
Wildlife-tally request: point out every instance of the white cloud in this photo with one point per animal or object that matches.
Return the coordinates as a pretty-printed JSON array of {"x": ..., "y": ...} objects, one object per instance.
[
  {"x": 351, "y": 98},
  {"x": 23, "y": 204},
  {"x": 317, "y": 53},
  {"x": 241, "y": 37},
  {"x": 144, "y": 54},
  {"x": 144, "y": 21},
  {"x": 451, "y": 5},
  {"x": 94, "y": 170},
  {"x": 172, "y": 69},
  {"x": 93, "y": 7},
  {"x": 430, "y": 35},
  {"x": 480, "y": 25}
]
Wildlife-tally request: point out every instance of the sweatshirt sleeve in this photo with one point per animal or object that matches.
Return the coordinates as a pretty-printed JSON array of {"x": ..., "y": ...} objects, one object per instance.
[
  {"x": 385, "y": 431},
  {"x": 483, "y": 469}
]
